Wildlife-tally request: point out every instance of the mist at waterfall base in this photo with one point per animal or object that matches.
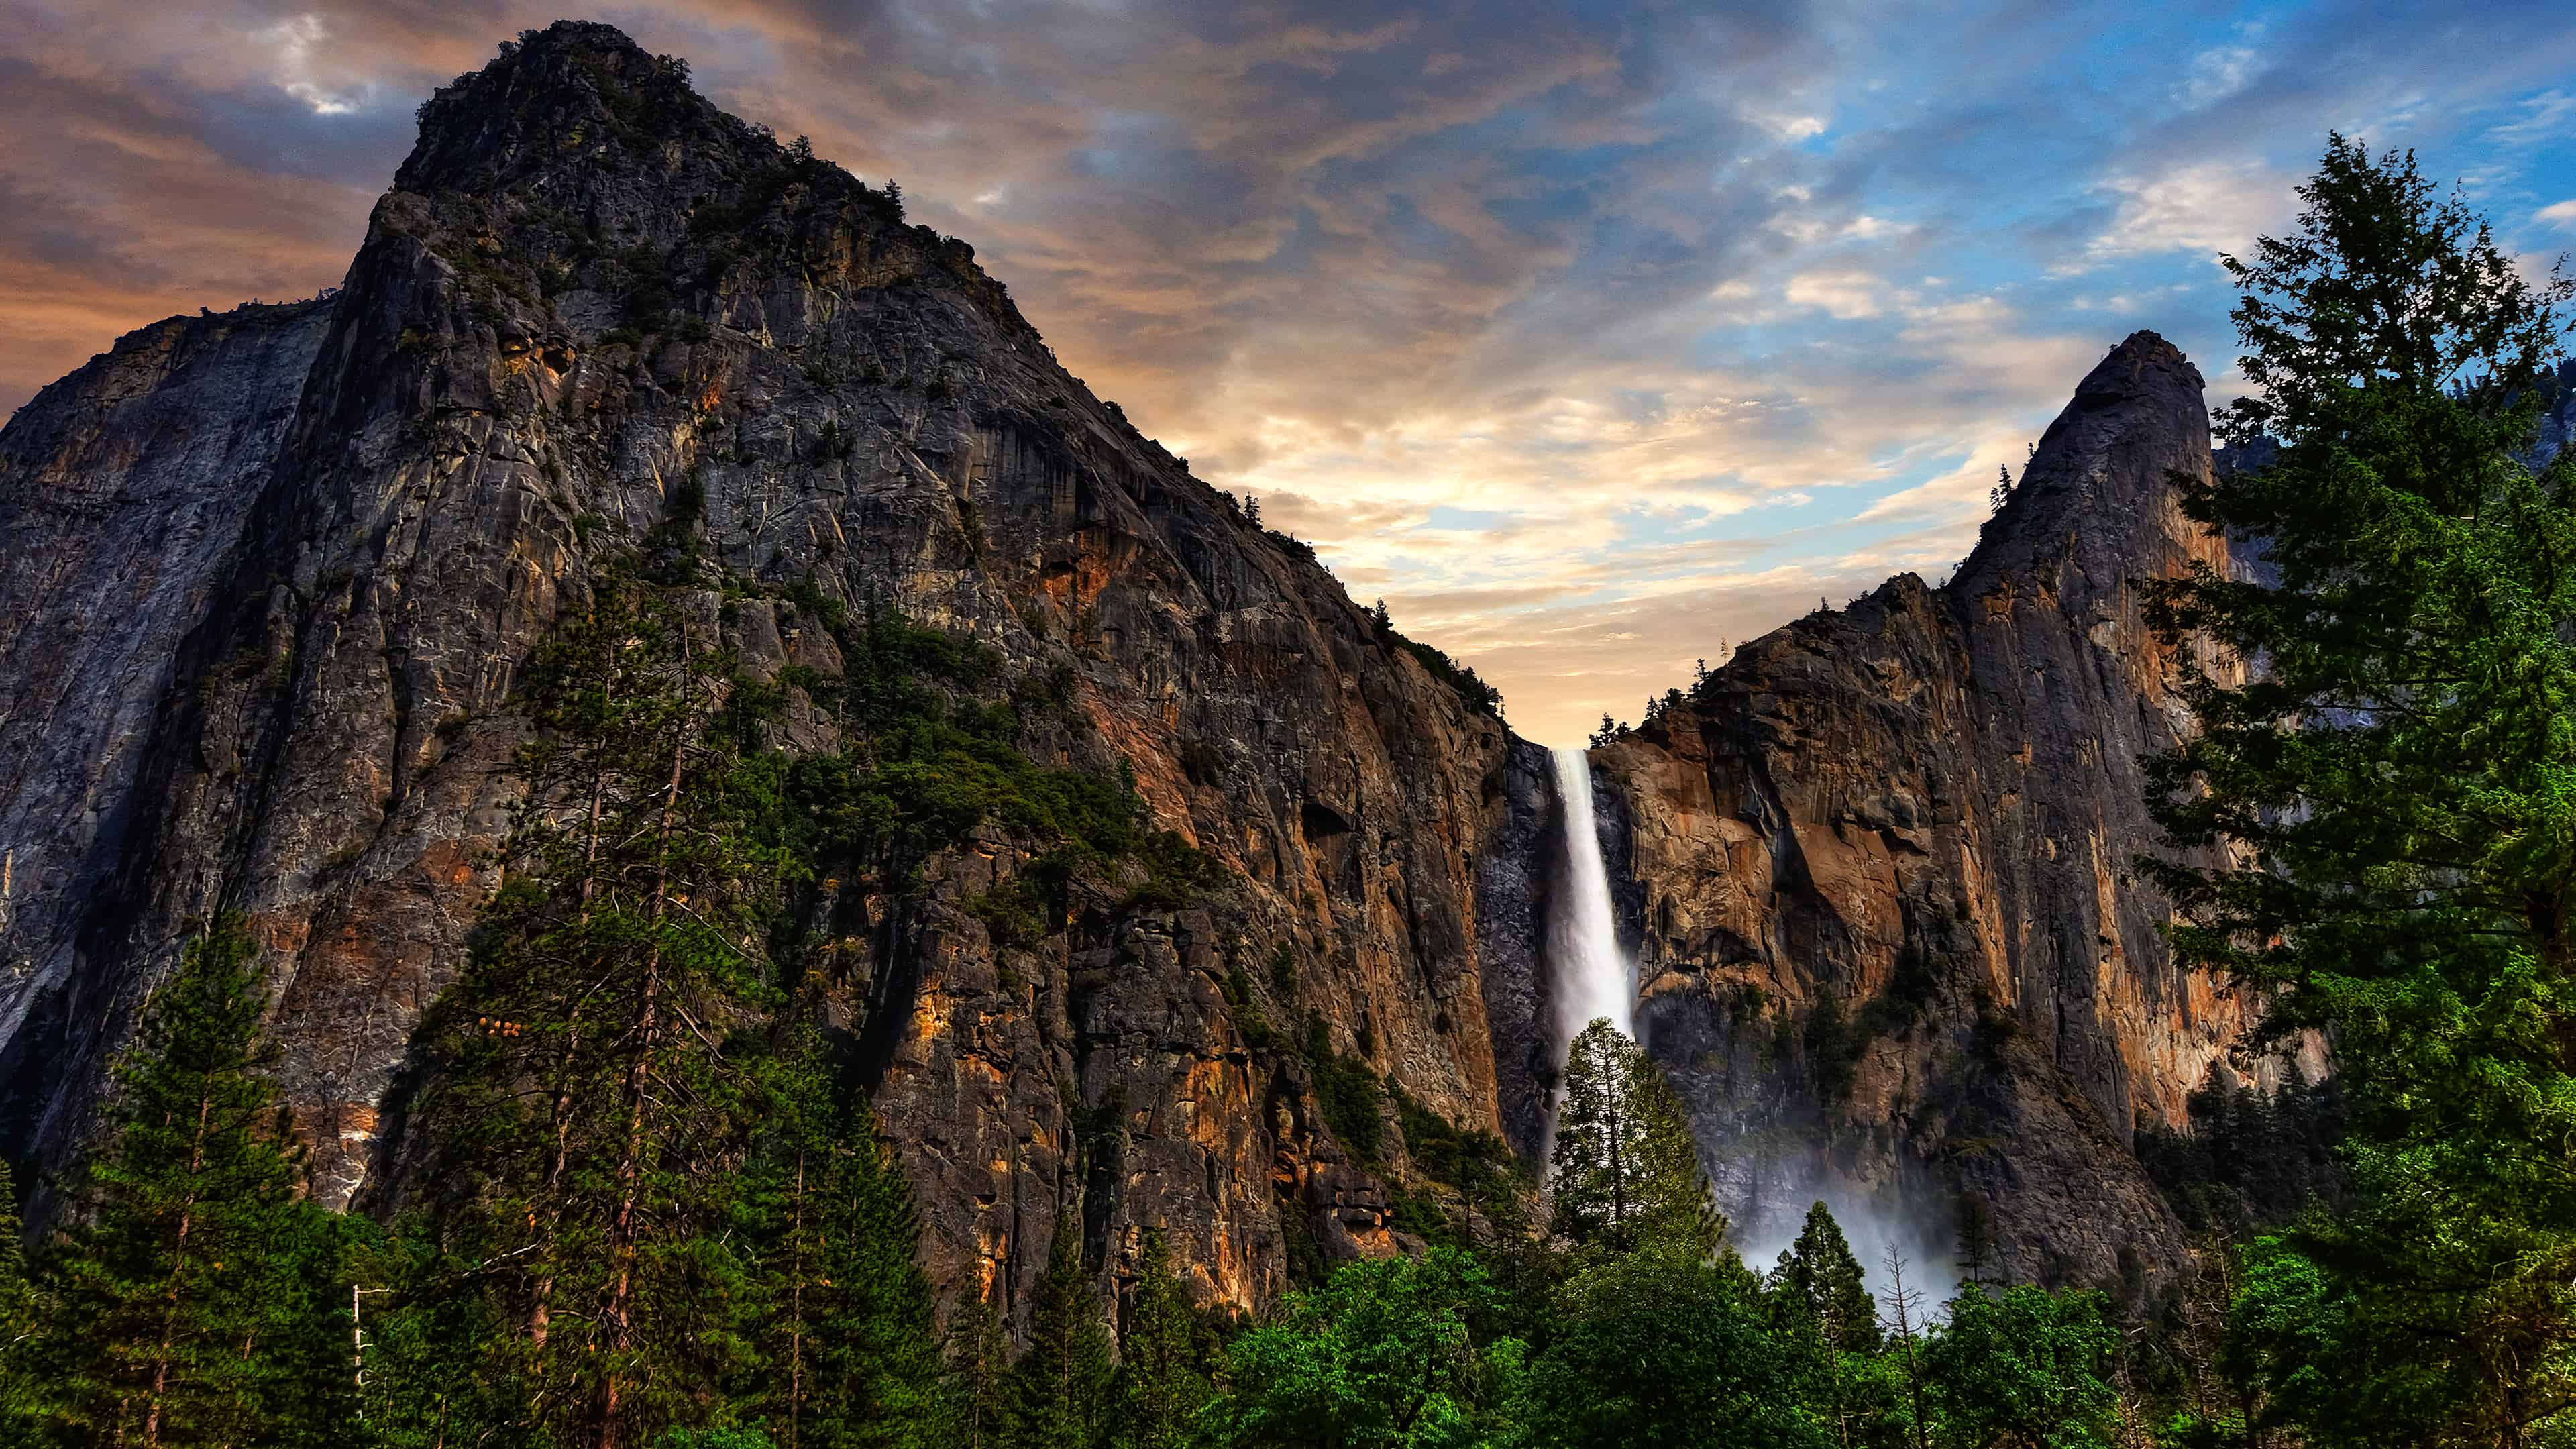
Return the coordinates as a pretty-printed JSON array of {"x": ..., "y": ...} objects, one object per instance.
[{"x": 1591, "y": 978}]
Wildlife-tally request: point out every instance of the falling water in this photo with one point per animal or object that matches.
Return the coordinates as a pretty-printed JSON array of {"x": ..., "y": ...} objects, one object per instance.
[
  {"x": 1590, "y": 974},
  {"x": 1592, "y": 978}
]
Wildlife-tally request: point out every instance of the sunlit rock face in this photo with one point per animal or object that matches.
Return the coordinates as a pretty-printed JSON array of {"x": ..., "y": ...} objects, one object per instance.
[
  {"x": 1891, "y": 934},
  {"x": 270, "y": 576}
]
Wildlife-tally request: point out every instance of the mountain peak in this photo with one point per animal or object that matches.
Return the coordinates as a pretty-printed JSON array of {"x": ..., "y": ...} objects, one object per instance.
[
  {"x": 574, "y": 91},
  {"x": 2096, "y": 488},
  {"x": 2142, "y": 365}
]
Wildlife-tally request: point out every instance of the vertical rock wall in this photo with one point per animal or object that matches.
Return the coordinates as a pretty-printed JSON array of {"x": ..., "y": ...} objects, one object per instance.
[{"x": 1892, "y": 937}]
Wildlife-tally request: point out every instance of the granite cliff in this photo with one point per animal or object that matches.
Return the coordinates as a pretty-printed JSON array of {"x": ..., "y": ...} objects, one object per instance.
[
  {"x": 269, "y": 574},
  {"x": 1880, "y": 868}
]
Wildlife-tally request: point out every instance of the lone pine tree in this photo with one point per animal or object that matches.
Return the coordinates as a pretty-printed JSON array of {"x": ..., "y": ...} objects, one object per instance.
[
  {"x": 842, "y": 1352},
  {"x": 1162, "y": 1376},
  {"x": 1626, "y": 1168},
  {"x": 1061, "y": 1386}
]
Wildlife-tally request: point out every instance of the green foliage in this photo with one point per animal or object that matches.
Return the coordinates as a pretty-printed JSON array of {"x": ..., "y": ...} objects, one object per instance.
[
  {"x": 2252, "y": 1159},
  {"x": 19, "y": 1316},
  {"x": 1350, "y": 1093},
  {"x": 2400, "y": 778},
  {"x": 1626, "y": 1169},
  {"x": 1824, "y": 1283},
  {"x": 1062, "y": 1389},
  {"x": 1476, "y": 1163},
  {"x": 1162, "y": 1361},
  {"x": 931, "y": 760},
  {"x": 1668, "y": 1346},
  {"x": 977, "y": 1388},
  {"x": 839, "y": 1328},
  {"x": 2025, "y": 1367},
  {"x": 585, "y": 1105},
  {"x": 1382, "y": 1355},
  {"x": 197, "y": 1298}
]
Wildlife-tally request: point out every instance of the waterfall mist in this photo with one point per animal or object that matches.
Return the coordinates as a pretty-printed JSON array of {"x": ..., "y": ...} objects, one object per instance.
[
  {"x": 1767, "y": 1189},
  {"x": 1873, "y": 1226}
]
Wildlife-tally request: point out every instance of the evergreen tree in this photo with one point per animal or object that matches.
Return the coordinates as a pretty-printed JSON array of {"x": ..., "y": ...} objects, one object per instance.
[
  {"x": 586, "y": 1108},
  {"x": 1826, "y": 1281},
  {"x": 19, "y": 1317},
  {"x": 1626, "y": 1170},
  {"x": 1162, "y": 1381},
  {"x": 978, "y": 1386},
  {"x": 2396, "y": 776},
  {"x": 1060, "y": 1388},
  {"x": 842, "y": 1352},
  {"x": 197, "y": 1298},
  {"x": 1829, "y": 1309}
]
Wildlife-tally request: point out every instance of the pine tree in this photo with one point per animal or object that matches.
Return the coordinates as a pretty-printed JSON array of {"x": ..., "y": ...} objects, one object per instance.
[
  {"x": 587, "y": 1111},
  {"x": 1162, "y": 1380},
  {"x": 193, "y": 1301},
  {"x": 1060, "y": 1388},
  {"x": 1821, "y": 1273},
  {"x": 2395, "y": 778},
  {"x": 19, "y": 1317},
  {"x": 978, "y": 1385},
  {"x": 841, "y": 1324},
  {"x": 1626, "y": 1170}
]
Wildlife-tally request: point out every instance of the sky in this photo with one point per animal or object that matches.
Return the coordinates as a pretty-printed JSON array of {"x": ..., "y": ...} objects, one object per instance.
[{"x": 1590, "y": 337}]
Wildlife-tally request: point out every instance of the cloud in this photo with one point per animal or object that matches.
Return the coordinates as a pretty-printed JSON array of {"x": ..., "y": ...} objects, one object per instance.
[
  {"x": 1588, "y": 334},
  {"x": 2549, "y": 116},
  {"x": 2559, "y": 214},
  {"x": 1845, "y": 295}
]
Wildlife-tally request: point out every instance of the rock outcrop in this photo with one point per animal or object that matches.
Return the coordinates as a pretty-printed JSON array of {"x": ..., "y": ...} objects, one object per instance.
[
  {"x": 1891, "y": 935},
  {"x": 271, "y": 574}
]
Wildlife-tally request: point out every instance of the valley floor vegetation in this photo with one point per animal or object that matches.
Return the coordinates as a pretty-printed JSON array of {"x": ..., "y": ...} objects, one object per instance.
[{"x": 646, "y": 1205}]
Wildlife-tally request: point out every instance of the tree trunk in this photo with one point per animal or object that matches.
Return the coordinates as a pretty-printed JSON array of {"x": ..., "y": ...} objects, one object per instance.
[{"x": 178, "y": 1265}]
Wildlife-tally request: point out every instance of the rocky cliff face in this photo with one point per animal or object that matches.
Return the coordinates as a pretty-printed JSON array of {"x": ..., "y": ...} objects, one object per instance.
[
  {"x": 1890, "y": 934},
  {"x": 270, "y": 576}
]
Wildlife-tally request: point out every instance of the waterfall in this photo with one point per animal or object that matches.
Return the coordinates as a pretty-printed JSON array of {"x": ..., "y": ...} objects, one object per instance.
[{"x": 1591, "y": 977}]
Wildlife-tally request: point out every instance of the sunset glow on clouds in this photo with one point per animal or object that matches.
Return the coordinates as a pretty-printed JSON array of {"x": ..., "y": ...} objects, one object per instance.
[{"x": 1588, "y": 336}]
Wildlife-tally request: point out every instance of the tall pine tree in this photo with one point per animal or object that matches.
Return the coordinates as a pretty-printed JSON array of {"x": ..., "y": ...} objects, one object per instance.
[
  {"x": 1626, "y": 1170},
  {"x": 2398, "y": 776},
  {"x": 587, "y": 1108},
  {"x": 18, "y": 1320},
  {"x": 197, "y": 1297},
  {"x": 1823, "y": 1277},
  {"x": 844, "y": 1356},
  {"x": 978, "y": 1384},
  {"x": 1060, "y": 1388},
  {"x": 1162, "y": 1374}
]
